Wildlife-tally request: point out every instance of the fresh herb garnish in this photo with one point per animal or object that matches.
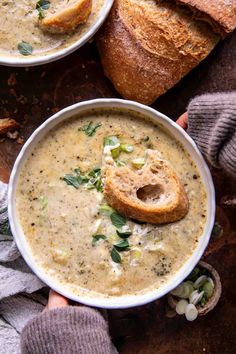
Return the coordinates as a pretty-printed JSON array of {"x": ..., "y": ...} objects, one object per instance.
[
  {"x": 110, "y": 141},
  {"x": 42, "y": 5},
  {"x": 25, "y": 48},
  {"x": 117, "y": 220},
  {"x": 123, "y": 234},
  {"x": 96, "y": 238},
  {"x": 122, "y": 246},
  {"x": 120, "y": 163},
  {"x": 91, "y": 180},
  {"x": 90, "y": 129},
  {"x": 115, "y": 256}
]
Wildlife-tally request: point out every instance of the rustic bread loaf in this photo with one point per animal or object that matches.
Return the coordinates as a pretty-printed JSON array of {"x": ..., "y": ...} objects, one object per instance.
[
  {"x": 152, "y": 194},
  {"x": 221, "y": 14},
  {"x": 64, "y": 16},
  {"x": 147, "y": 46}
]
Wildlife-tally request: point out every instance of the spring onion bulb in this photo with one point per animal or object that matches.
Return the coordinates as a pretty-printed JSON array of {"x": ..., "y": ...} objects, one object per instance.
[
  {"x": 191, "y": 312},
  {"x": 200, "y": 281},
  {"x": 181, "y": 306},
  {"x": 195, "y": 297},
  {"x": 208, "y": 289}
]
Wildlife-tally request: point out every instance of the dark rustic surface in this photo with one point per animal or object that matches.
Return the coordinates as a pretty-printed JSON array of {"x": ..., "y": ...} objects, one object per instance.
[{"x": 31, "y": 95}]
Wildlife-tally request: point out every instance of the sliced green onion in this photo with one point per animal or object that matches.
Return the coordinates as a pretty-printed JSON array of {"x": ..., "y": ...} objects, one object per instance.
[
  {"x": 191, "y": 312},
  {"x": 105, "y": 209},
  {"x": 126, "y": 148},
  {"x": 208, "y": 289},
  {"x": 196, "y": 297},
  {"x": 200, "y": 281},
  {"x": 181, "y": 306},
  {"x": 138, "y": 163},
  {"x": 120, "y": 163},
  {"x": 115, "y": 152},
  {"x": 111, "y": 141},
  {"x": 183, "y": 290}
]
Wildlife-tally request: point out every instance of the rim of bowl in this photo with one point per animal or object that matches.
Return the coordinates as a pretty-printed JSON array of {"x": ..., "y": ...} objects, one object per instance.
[
  {"x": 104, "y": 301},
  {"x": 28, "y": 61}
]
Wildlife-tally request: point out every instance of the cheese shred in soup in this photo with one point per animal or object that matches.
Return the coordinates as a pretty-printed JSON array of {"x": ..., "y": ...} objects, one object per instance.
[{"x": 74, "y": 236}]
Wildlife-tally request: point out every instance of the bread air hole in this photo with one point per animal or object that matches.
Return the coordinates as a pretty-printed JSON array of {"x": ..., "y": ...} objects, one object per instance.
[{"x": 150, "y": 193}]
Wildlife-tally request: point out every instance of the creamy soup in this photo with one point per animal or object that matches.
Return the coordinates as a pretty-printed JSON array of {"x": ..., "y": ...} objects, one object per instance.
[
  {"x": 19, "y": 23},
  {"x": 71, "y": 230}
]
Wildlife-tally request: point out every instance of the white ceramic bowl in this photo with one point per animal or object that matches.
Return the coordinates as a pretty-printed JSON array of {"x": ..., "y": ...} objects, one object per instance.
[
  {"x": 26, "y": 61},
  {"x": 126, "y": 300}
]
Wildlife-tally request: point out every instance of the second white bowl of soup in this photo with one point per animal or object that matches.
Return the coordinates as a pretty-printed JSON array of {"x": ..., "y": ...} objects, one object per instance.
[
  {"x": 29, "y": 43},
  {"x": 66, "y": 231}
]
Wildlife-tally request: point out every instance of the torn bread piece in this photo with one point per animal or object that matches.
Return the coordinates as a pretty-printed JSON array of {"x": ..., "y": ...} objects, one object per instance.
[
  {"x": 220, "y": 14},
  {"x": 151, "y": 194},
  {"x": 65, "y": 15},
  {"x": 7, "y": 125}
]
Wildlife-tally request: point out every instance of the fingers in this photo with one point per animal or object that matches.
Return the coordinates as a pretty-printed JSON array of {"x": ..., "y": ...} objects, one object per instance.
[
  {"x": 182, "y": 121},
  {"x": 56, "y": 300}
]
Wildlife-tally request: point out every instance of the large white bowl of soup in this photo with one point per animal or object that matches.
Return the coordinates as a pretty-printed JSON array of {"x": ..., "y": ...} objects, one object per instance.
[
  {"x": 68, "y": 234},
  {"x": 23, "y": 42}
]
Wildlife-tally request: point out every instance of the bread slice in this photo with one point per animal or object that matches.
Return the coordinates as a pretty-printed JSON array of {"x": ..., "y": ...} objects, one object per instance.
[
  {"x": 152, "y": 194},
  {"x": 147, "y": 46},
  {"x": 65, "y": 15},
  {"x": 220, "y": 14},
  {"x": 7, "y": 125}
]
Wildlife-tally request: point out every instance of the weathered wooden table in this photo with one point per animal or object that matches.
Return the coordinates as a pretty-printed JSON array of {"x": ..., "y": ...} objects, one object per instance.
[{"x": 32, "y": 95}]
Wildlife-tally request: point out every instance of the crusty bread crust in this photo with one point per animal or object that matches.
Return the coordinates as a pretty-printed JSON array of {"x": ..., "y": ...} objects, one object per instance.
[
  {"x": 221, "y": 13},
  {"x": 7, "y": 125},
  {"x": 146, "y": 47},
  {"x": 152, "y": 194},
  {"x": 67, "y": 19}
]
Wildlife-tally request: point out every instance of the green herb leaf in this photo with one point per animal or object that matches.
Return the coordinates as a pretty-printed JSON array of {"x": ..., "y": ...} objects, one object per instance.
[
  {"x": 96, "y": 238},
  {"x": 72, "y": 180},
  {"x": 126, "y": 148},
  {"x": 117, "y": 220},
  {"x": 115, "y": 256},
  {"x": 110, "y": 140},
  {"x": 25, "y": 48},
  {"x": 42, "y": 5},
  {"x": 122, "y": 246},
  {"x": 90, "y": 129},
  {"x": 124, "y": 234},
  {"x": 105, "y": 209},
  {"x": 120, "y": 163},
  {"x": 92, "y": 180}
]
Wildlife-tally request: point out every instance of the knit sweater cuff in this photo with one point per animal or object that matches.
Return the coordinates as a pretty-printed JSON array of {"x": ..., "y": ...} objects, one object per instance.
[
  {"x": 67, "y": 330},
  {"x": 212, "y": 124}
]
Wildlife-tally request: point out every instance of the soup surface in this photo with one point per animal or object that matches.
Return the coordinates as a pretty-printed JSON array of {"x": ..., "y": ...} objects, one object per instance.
[
  {"x": 25, "y": 14},
  {"x": 75, "y": 237}
]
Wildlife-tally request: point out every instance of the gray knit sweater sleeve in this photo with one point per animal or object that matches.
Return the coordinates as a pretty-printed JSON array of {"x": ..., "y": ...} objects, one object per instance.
[
  {"x": 212, "y": 124},
  {"x": 70, "y": 330}
]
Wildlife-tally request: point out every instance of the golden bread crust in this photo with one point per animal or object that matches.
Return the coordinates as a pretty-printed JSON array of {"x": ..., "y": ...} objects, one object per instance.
[
  {"x": 146, "y": 47},
  {"x": 153, "y": 194},
  {"x": 221, "y": 13},
  {"x": 67, "y": 19}
]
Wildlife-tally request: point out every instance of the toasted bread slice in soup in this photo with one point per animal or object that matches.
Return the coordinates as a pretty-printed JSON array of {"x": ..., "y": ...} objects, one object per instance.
[
  {"x": 65, "y": 15},
  {"x": 151, "y": 194}
]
